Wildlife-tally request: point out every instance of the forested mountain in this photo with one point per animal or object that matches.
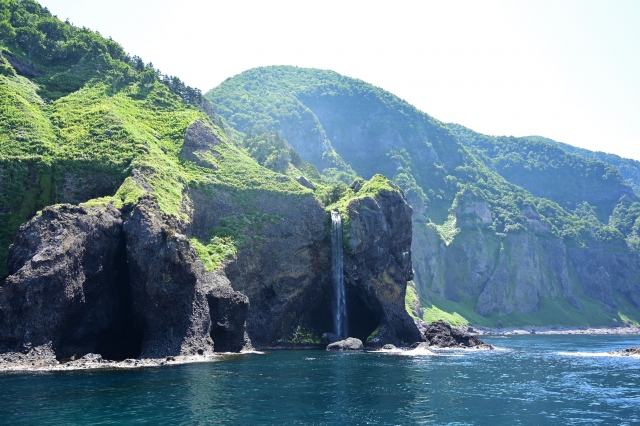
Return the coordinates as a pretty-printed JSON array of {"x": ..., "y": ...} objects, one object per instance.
[
  {"x": 539, "y": 166},
  {"x": 630, "y": 169},
  {"x": 502, "y": 235}
]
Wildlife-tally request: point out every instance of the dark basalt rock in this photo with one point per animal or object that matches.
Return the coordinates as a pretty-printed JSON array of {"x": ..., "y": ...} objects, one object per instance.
[
  {"x": 441, "y": 335},
  {"x": 66, "y": 282},
  {"x": 228, "y": 310},
  {"x": 174, "y": 298},
  {"x": 286, "y": 273},
  {"x": 167, "y": 286},
  {"x": 377, "y": 268},
  {"x": 349, "y": 344},
  {"x": 632, "y": 351},
  {"x": 83, "y": 282}
]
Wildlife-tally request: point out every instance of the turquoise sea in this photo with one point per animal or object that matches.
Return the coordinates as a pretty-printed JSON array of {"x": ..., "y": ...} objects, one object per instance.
[{"x": 530, "y": 380}]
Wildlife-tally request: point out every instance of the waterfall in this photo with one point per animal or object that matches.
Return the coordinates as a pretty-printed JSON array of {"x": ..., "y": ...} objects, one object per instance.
[{"x": 339, "y": 302}]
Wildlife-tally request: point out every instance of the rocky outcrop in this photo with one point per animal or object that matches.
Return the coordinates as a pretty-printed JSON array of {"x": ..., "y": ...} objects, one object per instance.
[
  {"x": 168, "y": 286},
  {"x": 632, "y": 351},
  {"x": 83, "y": 282},
  {"x": 199, "y": 145},
  {"x": 305, "y": 182},
  {"x": 23, "y": 68},
  {"x": 377, "y": 267},
  {"x": 440, "y": 334},
  {"x": 349, "y": 344},
  {"x": 603, "y": 268},
  {"x": 228, "y": 310},
  {"x": 67, "y": 285}
]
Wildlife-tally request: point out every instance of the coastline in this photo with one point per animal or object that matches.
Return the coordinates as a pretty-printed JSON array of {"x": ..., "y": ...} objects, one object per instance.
[
  {"x": 630, "y": 330},
  {"x": 17, "y": 363}
]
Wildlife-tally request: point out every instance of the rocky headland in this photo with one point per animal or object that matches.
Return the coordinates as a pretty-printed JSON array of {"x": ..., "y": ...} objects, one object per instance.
[{"x": 92, "y": 285}]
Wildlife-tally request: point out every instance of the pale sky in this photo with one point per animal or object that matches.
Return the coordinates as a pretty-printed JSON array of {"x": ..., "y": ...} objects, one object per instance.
[{"x": 566, "y": 70}]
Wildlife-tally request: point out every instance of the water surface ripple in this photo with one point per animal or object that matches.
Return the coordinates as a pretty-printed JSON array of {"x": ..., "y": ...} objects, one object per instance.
[{"x": 533, "y": 380}]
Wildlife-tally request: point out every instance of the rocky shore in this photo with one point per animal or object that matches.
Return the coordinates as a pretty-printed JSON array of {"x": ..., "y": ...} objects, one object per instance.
[
  {"x": 555, "y": 330},
  {"x": 38, "y": 360}
]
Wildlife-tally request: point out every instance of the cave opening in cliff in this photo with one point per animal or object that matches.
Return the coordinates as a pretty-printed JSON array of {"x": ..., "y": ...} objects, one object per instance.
[
  {"x": 123, "y": 339},
  {"x": 362, "y": 320}
]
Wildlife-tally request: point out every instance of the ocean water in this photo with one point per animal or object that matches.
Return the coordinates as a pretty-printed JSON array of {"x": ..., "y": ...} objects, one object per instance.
[{"x": 530, "y": 380}]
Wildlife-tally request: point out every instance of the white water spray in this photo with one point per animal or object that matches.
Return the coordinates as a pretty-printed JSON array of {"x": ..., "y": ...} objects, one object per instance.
[{"x": 337, "y": 269}]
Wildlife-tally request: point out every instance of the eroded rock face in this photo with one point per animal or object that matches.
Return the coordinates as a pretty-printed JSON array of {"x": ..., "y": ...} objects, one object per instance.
[
  {"x": 168, "y": 286},
  {"x": 441, "y": 335},
  {"x": 286, "y": 272},
  {"x": 199, "y": 145},
  {"x": 67, "y": 285},
  {"x": 83, "y": 282},
  {"x": 228, "y": 310},
  {"x": 602, "y": 269},
  {"x": 377, "y": 267}
]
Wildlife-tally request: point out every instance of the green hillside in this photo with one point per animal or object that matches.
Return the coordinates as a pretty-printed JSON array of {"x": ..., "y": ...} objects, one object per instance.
[
  {"x": 483, "y": 218},
  {"x": 630, "y": 169},
  {"x": 549, "y": 171},
  {"x": 82, "y": 122}
]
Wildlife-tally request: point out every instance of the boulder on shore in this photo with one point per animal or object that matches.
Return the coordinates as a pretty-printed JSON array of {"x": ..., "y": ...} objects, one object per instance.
[
  {"x": 349, "y": 344},
  {"x": 441, "y": 335}
]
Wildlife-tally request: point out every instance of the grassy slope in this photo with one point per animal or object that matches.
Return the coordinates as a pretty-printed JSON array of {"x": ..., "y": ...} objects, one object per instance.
[{"x": 87, "y": 145}]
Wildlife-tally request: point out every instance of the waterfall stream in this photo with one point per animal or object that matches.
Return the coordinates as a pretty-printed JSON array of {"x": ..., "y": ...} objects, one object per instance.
[{"x": 337, "y": 269}]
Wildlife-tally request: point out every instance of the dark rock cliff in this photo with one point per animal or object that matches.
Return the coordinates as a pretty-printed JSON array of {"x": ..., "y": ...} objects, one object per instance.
[
  {"x": 286, "y": 272},
  {"x": 82, "y": 281},
  {"x": 127, "y": 284},
  {"x": 67, "y": 282},
  {"x": 170, "y": 287},
  {"x": 377, "y": 268}
]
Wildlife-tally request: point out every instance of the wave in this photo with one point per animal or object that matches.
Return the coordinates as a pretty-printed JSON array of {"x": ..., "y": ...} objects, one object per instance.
[
  {"x": 127, "y": 364},
  {"x": 596, "y": 354}
]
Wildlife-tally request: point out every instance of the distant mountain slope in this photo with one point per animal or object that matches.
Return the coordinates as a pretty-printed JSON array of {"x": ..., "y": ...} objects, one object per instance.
[
  {"x": 483, "y": 246},
  {"x": 629, "y": 168},
  {"x": 549, "y": 171}
]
